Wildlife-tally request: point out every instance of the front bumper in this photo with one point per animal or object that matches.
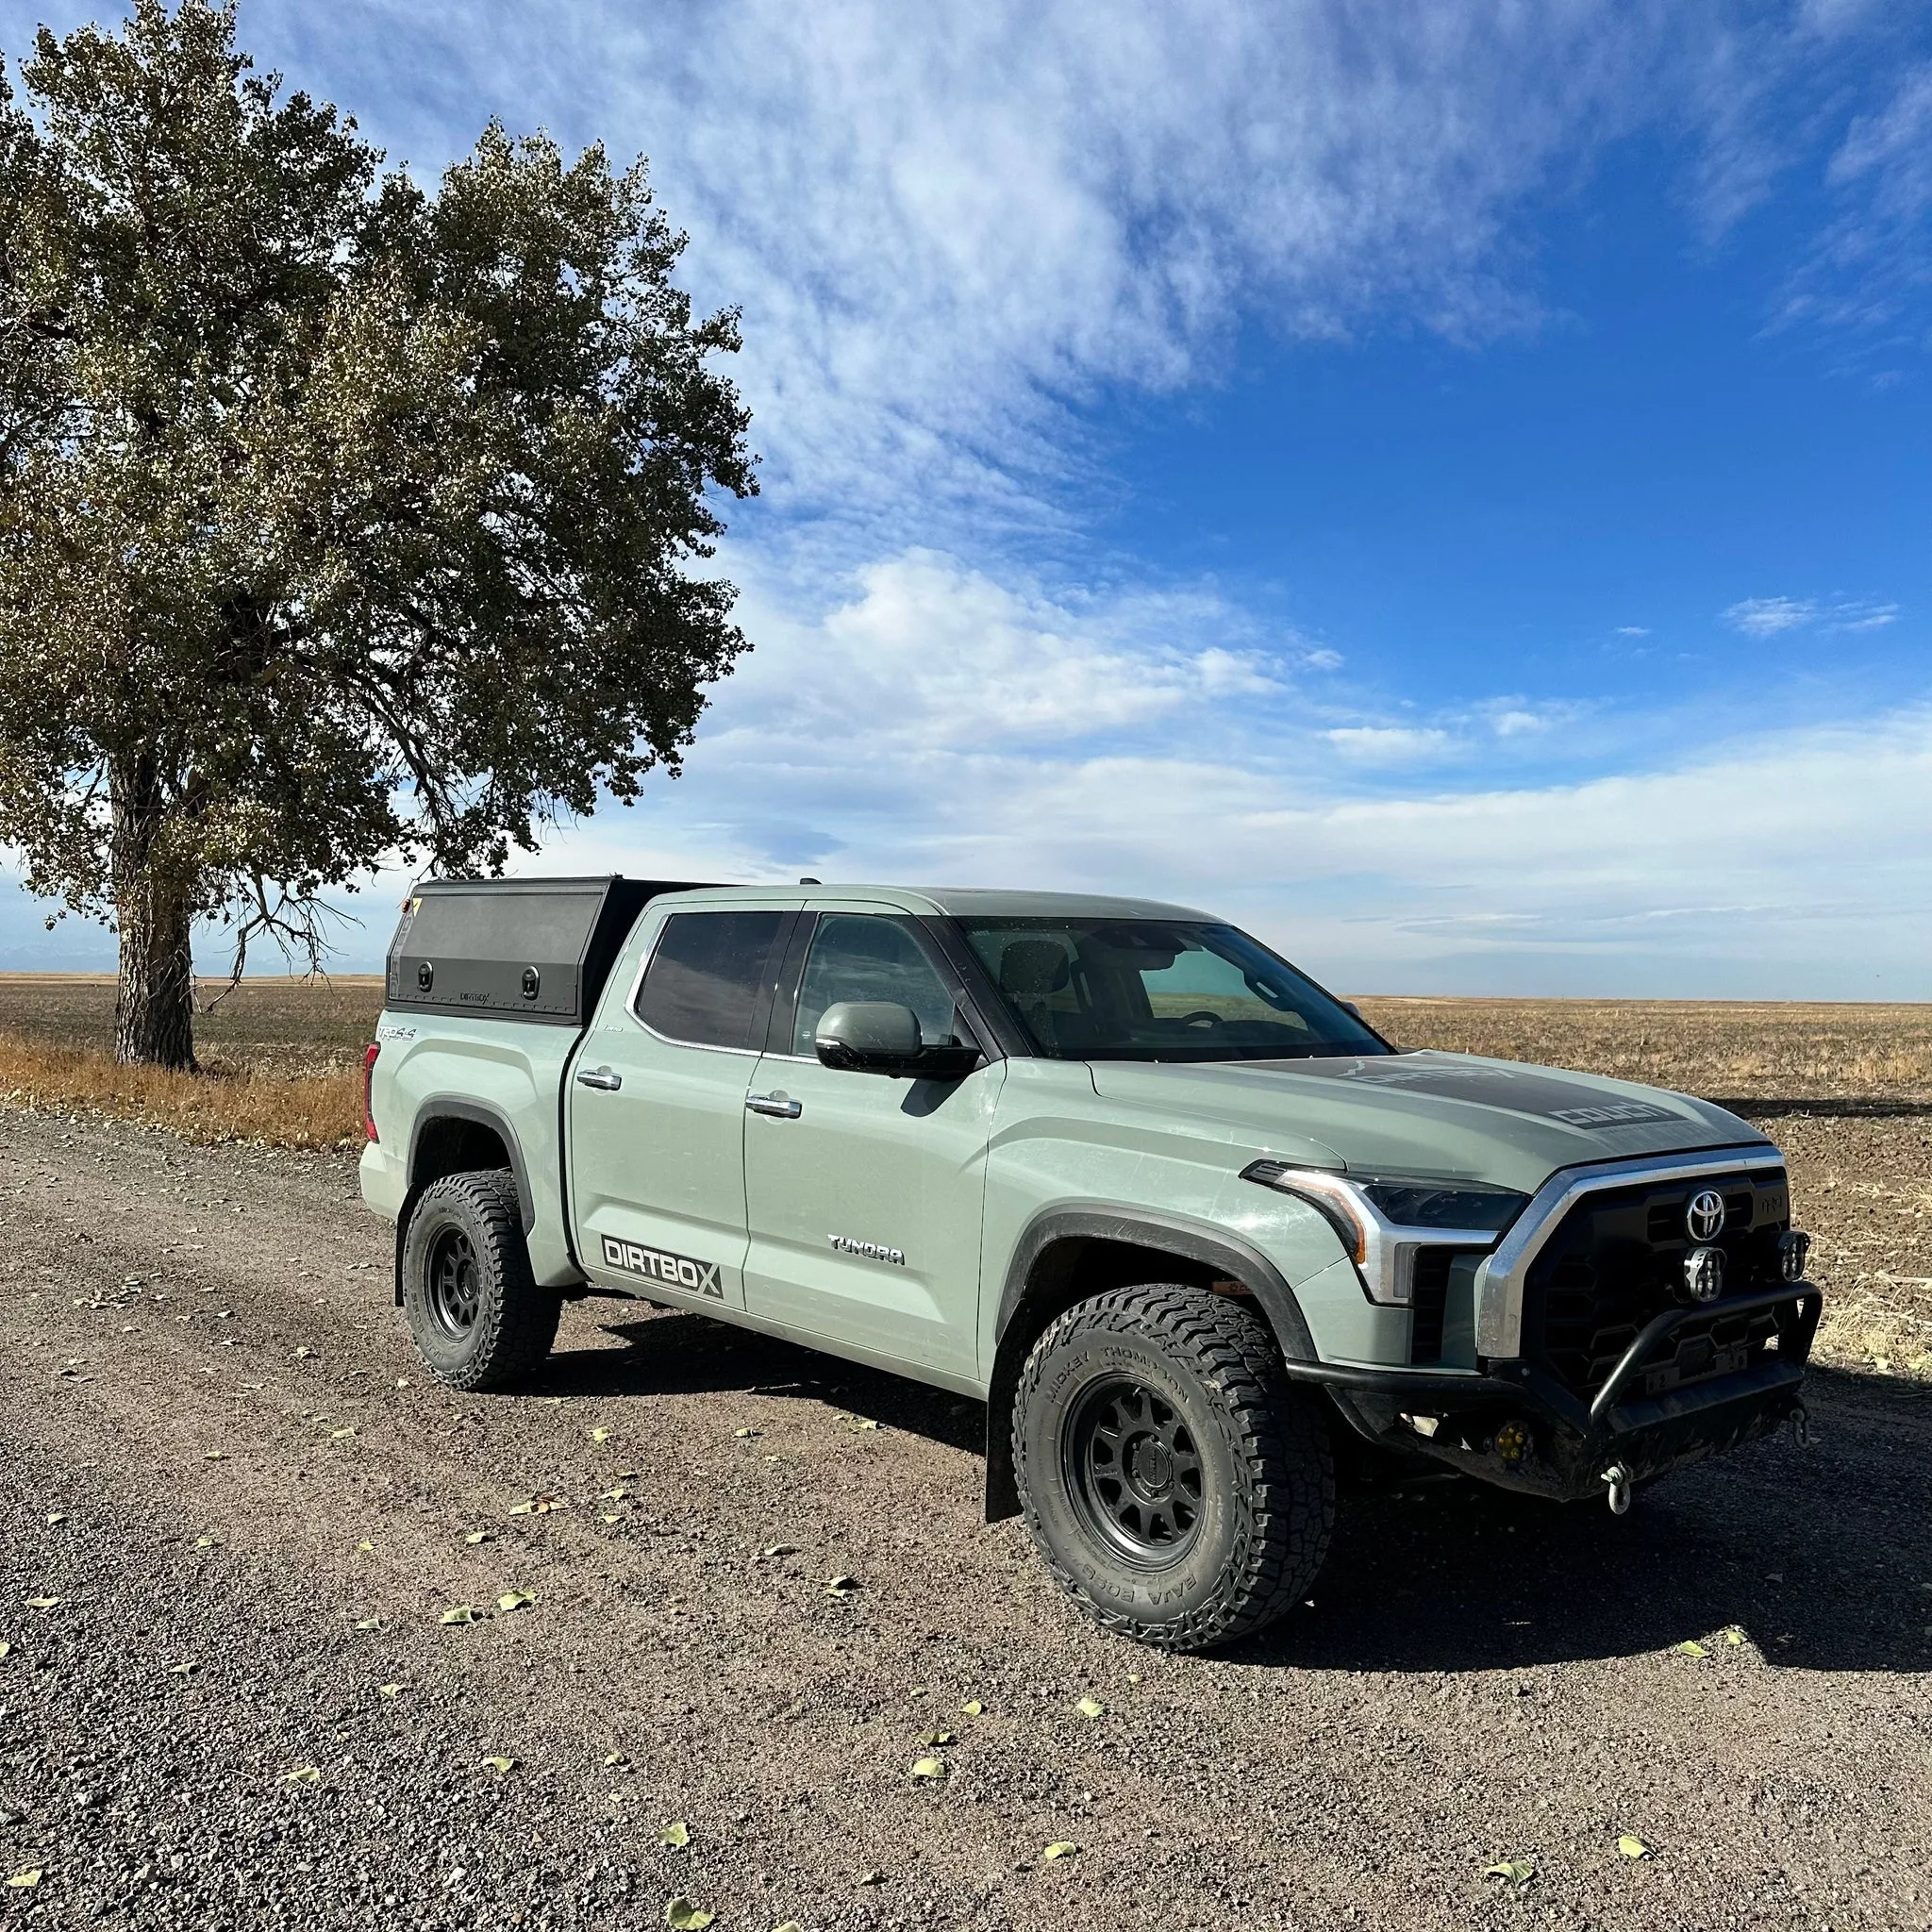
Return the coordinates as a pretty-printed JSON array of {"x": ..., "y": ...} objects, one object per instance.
[{"x": 1516, "y": 1425}]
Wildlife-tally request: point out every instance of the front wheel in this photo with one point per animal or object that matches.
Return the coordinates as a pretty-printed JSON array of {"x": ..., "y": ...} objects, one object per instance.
[
  {"x": 1181, "y": 1488},
  {"x": 479, "y": 1319}
]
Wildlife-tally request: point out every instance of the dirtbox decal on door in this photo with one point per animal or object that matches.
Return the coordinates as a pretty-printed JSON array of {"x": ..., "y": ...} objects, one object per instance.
[{"x": 673, "y": 1271}]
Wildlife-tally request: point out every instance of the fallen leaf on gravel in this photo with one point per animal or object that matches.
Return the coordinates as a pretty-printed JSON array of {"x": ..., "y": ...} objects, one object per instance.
[
  {"x": 301, "y": 1774},
  {"x": 780, "y": 1550},
  {"x": 25, "y": 1881},
  {"x": 682, "y": 1916},
  {"x": 365, "y": 1546},
  {"x": 973, "y": 1706},
  {"x": 747, "y": 1435},
  {"x": 676, "y": 1834},
  {"x": 843, "y": 1585},
  {"x": 937, "y": 1738},
  {"x": 1633, "y": 1847},
  {"x": 341, "y": 1435},
  {"x": 183, "y": 1670},
  {"x": 463, "y": 1613},
  {"x": 614, "y": 1495},
  {"x": 41, "y": 1603},
  {"x": 500, "y": 1766},
  {"x": 374, "y": 1623},
  {"x": 856, "y": 1421},
  {"x": 872, "y": 1879},
  {"x": 6, "y": 1650},
  {"x": 1060, "y": 1848},
  {"x": 1734, "y": 1635},
  {"x": 514, "y": 1600},
  {"x": 56, "y": 1516},
  {"x": 305, "y": 1354},
  {"x": 615, "y": 1757},
  {"x": 1514, "y": 1869},
  {"x": 1690, "y": 1647},
  {"x": 207, "y": 1543},
  {"x": 479, "y": 1536},
  {"x": 600, "y": 1435},
  {"x": 388, "y": 1690},
  {"x": 930, "y": 1767},
  {"x": 790, "y": 1925},
  {"x": 1133, "y": 1676},
  {"x": 216, "y": 1455},
  {"x": 1091, "y": 1706}
]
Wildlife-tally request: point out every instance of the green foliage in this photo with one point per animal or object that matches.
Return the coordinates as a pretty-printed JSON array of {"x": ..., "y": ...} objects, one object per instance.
[{"x": 339, "y": 523}]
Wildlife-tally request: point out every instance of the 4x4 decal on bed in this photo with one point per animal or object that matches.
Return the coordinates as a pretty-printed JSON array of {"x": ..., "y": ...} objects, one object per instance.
[{"x": 673, "y": 1271}]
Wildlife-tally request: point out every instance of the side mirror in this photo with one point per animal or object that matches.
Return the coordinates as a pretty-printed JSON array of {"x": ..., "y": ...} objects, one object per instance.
[
  {"x": 881, "y": 1037},
  {"x": 1350, "y": 1006}
]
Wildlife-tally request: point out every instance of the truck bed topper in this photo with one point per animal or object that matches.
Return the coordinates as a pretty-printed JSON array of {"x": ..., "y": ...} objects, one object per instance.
[{"x": 515, "y": 949}]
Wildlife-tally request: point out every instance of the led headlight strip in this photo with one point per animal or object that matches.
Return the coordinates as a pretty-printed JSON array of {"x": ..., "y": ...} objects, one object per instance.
[{"x": 1382, "y": 1220}]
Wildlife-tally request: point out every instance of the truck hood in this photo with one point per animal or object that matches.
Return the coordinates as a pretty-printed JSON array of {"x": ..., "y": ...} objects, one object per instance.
[{"x": 1428, "y": 1115}]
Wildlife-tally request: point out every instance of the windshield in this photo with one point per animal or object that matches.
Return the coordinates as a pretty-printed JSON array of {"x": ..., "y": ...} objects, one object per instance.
[{"x": 1159, "y": 989}]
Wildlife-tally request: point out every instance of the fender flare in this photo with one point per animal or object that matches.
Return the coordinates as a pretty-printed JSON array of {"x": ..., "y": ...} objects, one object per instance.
[
  {"x": 444, "y": 1107},
  {"x": 1201, "y": 1243}
]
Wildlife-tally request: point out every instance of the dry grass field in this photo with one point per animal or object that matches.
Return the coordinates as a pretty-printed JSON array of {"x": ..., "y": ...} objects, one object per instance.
[{"x": 1845, "y": 1090}]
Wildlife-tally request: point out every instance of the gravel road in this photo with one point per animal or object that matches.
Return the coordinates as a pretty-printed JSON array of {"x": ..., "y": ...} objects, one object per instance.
[{"x": 236, "y": 1515}]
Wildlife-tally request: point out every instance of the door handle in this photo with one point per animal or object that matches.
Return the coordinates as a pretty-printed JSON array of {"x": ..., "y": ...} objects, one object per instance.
[
  {"x": 600, "y": 1077},
  {"x": 776, "y": 1105}
]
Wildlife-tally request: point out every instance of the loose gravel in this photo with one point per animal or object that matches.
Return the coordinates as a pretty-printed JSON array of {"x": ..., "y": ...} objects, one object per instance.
[{"x": 239, "y": 1517}]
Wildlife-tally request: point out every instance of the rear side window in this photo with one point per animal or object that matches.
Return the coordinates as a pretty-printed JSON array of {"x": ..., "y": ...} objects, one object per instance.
[{"x": 706, "y": 976}]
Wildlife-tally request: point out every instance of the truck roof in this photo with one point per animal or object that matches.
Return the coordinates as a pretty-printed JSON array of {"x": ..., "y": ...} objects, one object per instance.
[{"x": 964, "y": 902}]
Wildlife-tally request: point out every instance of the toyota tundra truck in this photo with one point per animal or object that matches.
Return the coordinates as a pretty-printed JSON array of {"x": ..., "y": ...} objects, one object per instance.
[{"x": 1185, "y": 1223}]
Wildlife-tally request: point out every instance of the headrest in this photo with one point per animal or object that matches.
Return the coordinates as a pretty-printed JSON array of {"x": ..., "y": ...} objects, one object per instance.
[{"x": 1031, "y": 969}]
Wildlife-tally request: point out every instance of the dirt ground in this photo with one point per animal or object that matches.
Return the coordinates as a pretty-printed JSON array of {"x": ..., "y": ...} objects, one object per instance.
[{"x": 236, "y": 1515}]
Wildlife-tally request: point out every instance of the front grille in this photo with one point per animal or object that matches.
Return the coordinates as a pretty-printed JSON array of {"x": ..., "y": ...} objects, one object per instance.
[{"x": 1616, "y": 1263}]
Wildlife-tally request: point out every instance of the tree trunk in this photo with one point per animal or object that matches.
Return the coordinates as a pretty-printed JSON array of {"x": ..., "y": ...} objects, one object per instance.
[{"x": 154, "y": 1011}]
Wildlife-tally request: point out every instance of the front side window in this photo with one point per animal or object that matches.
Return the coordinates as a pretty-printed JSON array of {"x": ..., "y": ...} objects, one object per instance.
[
  {"x": 706, "y": 974},
  {"x": 858, "y": 956},
  {"x": 1159, "y": 989}
]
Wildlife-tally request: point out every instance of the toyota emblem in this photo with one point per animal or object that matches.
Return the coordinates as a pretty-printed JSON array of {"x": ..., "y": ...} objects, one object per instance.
[{"x": 1703, "y": 1215}]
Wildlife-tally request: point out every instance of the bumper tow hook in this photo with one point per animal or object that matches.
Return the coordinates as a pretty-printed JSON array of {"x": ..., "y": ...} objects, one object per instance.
[
  {"x": 1621, "y": 1488},
  {"x": 1801, "y": 1426}
]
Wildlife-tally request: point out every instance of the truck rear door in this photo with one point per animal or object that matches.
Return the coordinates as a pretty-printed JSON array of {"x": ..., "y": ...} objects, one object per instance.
[{"x": 656, "y": 1106}]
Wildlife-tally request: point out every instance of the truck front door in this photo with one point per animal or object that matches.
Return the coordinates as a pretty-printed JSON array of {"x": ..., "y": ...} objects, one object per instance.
[
  {"x": 864, "y": 1192},
  {"x": 656, "y": 1107}
]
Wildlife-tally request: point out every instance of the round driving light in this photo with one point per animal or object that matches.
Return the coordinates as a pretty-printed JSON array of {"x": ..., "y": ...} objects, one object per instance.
[
  {"x": 1704, "y": 1274},
  {"x": 1793, "y": 1254}
]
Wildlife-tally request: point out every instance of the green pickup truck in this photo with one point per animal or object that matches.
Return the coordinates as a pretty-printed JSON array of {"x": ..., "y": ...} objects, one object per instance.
[{"x": 1189, "y": 1226}]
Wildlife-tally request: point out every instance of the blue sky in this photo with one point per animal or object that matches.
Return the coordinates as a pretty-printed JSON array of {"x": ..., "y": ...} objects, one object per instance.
[{"x": 1445, "y": 485}]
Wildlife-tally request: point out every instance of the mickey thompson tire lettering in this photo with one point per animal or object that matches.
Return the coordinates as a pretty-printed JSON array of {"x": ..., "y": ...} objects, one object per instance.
[
  {"x": 515, "y": 1319},
  {"x": 1266, "y": 1467}
]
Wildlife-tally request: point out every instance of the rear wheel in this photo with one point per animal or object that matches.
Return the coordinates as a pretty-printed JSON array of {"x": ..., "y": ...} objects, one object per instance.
[
  {"x": 1181, "y": 1488},
  {"x": 479, "y": 1319}
]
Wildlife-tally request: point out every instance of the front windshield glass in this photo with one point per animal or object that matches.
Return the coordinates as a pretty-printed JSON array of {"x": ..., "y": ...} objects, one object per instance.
[{"x": 1159, "y": 989}]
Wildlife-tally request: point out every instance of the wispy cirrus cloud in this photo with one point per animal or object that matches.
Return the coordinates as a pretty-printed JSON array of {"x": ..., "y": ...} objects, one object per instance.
[{"x": 1765, "y": 616}]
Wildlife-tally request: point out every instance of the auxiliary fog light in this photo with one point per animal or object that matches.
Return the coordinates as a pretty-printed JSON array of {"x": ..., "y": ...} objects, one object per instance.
[
  {"x": 1704, "y": 1274},
  {"x": 1793, "y": 1254}
]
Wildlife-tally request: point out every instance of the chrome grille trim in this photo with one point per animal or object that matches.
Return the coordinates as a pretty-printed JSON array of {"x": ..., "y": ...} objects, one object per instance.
[{"x": 1499, "y": 1281}]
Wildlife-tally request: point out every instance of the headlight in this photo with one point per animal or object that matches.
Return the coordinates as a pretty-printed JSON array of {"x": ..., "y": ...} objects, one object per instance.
[{"x": 1383, "y": 1219}]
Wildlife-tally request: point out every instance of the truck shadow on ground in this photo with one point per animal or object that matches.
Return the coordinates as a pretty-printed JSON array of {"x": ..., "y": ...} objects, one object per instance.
[{"x": 1819, "y": 1558}]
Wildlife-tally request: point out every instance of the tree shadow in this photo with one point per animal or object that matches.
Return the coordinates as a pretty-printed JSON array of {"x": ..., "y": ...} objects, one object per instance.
[{"x": 1820, "y": 1557}]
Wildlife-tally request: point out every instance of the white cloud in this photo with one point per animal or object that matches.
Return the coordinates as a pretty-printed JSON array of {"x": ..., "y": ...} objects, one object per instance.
[
  {"x": 1633, "y": 630},
  {"x": 1388, "y": 744},
  {"x": 1764, "y": 617}
]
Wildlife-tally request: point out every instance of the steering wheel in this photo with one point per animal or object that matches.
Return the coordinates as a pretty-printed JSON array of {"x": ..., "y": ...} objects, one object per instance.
[{"x": 1202, "y": 1018}]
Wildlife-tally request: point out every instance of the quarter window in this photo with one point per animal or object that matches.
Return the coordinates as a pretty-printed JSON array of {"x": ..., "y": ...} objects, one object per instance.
[
  {"x": 858, "y": 956},
  {"x": 706, "y": 974}
]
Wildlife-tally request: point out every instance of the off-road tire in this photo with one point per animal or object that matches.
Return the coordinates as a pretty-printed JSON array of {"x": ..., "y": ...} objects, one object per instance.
[
  {"x": 514, "y": 1322},
  {"x": 1260, "y": 1448}
]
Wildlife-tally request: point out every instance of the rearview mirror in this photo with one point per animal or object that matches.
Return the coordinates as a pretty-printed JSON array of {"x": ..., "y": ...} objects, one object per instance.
[{"x": 881, "y": 1037}]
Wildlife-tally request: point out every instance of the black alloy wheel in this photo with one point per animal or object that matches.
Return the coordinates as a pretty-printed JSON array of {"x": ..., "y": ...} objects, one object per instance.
[
  {"x": 1134, "y": 1472},
  {"x": 456, "y": 1291}
]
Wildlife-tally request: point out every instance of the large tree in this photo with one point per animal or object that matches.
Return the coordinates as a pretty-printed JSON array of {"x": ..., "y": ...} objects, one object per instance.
[{"x": 341, "y": 523}]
